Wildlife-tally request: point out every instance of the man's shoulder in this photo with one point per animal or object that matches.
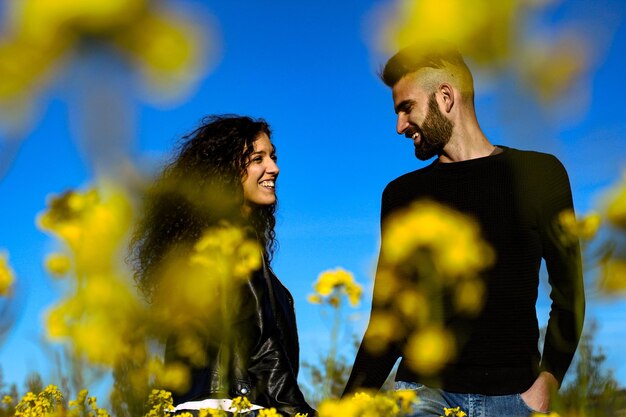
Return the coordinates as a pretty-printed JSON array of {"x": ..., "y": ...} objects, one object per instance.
[
  {"x": 529, "y": 156},
  {"x": 413, "y": 178}
]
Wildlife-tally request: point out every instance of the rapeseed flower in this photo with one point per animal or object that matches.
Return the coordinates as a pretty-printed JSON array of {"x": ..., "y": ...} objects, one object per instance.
[
  {"x": 269, "y": 412},
  {"x": 42, "y": 404},
  {"x": 58, "y": 264},
  {"x": 430, "y": 349},
  {"x": 616, "y": 207},
  {"x": 166, "y": 48},
  {"x": 449, "y": 239},
  {"x": 332, "y": 284},
  {"x": 453, "y": 412},
  {"x": 491, "y": 34},
  {"x": 241, "y": 404},
  {"x": 574, "y": 229},
  {"x": 7, "y": 277}
]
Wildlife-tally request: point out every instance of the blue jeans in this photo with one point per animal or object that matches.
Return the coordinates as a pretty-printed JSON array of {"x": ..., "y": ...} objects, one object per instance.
[{"x": 432, "y": 401}]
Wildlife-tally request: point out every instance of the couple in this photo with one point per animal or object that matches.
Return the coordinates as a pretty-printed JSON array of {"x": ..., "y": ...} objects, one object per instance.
[{"x": 514, "y": 195}]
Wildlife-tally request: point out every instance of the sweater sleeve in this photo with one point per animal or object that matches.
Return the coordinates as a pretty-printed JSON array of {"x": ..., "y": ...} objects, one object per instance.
[
  {"x": 563, "y": 262},
  {"x": 370, "y": 370}
]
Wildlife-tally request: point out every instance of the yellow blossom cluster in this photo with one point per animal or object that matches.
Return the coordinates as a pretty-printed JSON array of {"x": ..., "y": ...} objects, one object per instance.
[
  {"x": 7, "y": 277},
  {"x": 38, "y": 35},
  {"x": 429, "y": 254},
  {"x": 393, "y": 404},
  {"x": 159, "y": 403},
  {"x": 95, "y": 316},
  {"x": 103, "y": 317},
  {"x": 43, "y": 404},
  {"x": 450, "y": 239},
  {"x": 584, "y": 228},
  {"x": 331, "y": 285},
  {"x": 613, "y": 265},
  {"x": 453, "y": 412},
  {"x": 491, "y": 33}
]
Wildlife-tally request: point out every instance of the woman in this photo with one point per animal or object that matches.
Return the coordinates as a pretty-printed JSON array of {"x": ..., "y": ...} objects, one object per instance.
[{"x": 225, "y": 173}]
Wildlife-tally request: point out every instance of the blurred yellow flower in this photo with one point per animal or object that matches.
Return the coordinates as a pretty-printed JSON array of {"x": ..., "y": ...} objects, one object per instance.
[
  {"x": 613, "y": 276},
  {"x": 406, "y": 398},
  {"x": 469, "y": 296},
  {"x": 483, "y": 30},
  {"x": 361, "y": 404},
  {"x": 7, "y": 277},
  {"x": 492, "y": 34},
  {"x": 167, "y": 48},
  {"x": 383, "y": 328},
  {"x": 91, "y": 223},
  {"x": 429, "y": 349},
  {"x": 450, "y": 239},
  {"x": 616, "y": 208},
  {"x": 58, "y": 264},
  {"x": 332, "y": 284},
  {"x": 7, "y": 399},
  {"x": 585, "y": 228},
  {"x": 314, "y": 299},
  {"x": 269, "y": 412}
]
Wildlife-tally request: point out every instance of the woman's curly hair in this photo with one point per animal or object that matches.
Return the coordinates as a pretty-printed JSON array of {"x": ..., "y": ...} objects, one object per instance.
[{"x": 201, "y": 187}]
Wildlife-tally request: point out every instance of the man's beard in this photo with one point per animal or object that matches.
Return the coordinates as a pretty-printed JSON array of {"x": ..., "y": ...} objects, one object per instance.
[{"x": 435, "y": 132}]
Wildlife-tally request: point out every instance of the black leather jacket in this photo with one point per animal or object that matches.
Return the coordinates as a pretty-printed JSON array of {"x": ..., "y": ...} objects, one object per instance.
[{"x": 263, "y": 355}]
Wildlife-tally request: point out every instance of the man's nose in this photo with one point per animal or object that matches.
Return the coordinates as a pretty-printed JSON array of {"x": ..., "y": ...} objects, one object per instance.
[{"x": 401, "y": 124}]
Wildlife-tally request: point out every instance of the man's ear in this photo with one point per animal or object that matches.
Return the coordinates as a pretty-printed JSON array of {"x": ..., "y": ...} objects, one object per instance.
[{"x": 446, "y": 96}]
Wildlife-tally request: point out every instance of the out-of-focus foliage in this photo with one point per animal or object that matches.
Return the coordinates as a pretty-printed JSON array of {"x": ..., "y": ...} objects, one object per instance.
[
  {"x": 430, "y": 253},
  {"x": 592, "y": 388},
  {"x": 103, "y": 318},
  {"x": 393, "y": 404},
  {"x": 612, "y": 280},
  {"x": 39, "y": 35},
  {"x": 492, "y": 34},
  {"x": 7, "y": 277},
  {"x": 331, "y": 290}
]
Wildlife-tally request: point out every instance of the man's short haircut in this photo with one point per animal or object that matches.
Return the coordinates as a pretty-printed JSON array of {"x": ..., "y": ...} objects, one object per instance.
[{"x": 438, "y": 55}]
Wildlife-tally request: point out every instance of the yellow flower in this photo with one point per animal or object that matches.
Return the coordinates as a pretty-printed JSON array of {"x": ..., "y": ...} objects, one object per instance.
[
  {"x": 383, "y": 328},
  {"x": 331, "y": 284},
  {"x": 613, "y": 277},
  {"x": 241, "y": 404},
  {"x": 584, "y": 228},
  {"x": 6, "y": 275},
  {"x": 406, "y": 398},
  {"x": 616, "y": 208},
  {"x": 430, "y": 349},
  {"x": 269, "y": 412},
  {"x": 439, "y": 242},
  {"x": 469, "y": 296},
  {"x": 454, "y": 412},
  {"x": 7, "y": 399},
  {"x": 314, "y": 299},
  {"x": 58, "y": 264}
]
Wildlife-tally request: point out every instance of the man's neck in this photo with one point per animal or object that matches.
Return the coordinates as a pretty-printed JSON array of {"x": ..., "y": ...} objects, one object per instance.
[{"x": 466, "y": 143}]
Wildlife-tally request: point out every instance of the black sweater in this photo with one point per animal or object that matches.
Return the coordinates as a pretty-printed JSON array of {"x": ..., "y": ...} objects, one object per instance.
[{"x": 515, "y": 196}]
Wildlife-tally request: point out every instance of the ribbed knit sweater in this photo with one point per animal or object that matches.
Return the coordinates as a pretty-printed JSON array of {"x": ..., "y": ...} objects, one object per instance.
[{"x": 516, "y": 197}]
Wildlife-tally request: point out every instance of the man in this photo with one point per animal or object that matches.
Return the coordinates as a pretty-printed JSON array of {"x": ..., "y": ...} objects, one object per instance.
[{"x": 516, "y": 197}]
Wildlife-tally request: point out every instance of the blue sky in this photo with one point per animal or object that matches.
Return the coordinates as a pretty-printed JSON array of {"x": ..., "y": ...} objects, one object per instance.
[{"x": 309, "y": 70}]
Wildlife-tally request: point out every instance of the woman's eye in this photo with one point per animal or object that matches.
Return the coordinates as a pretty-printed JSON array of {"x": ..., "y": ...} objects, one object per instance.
[{"x": 257, "y": 159}]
